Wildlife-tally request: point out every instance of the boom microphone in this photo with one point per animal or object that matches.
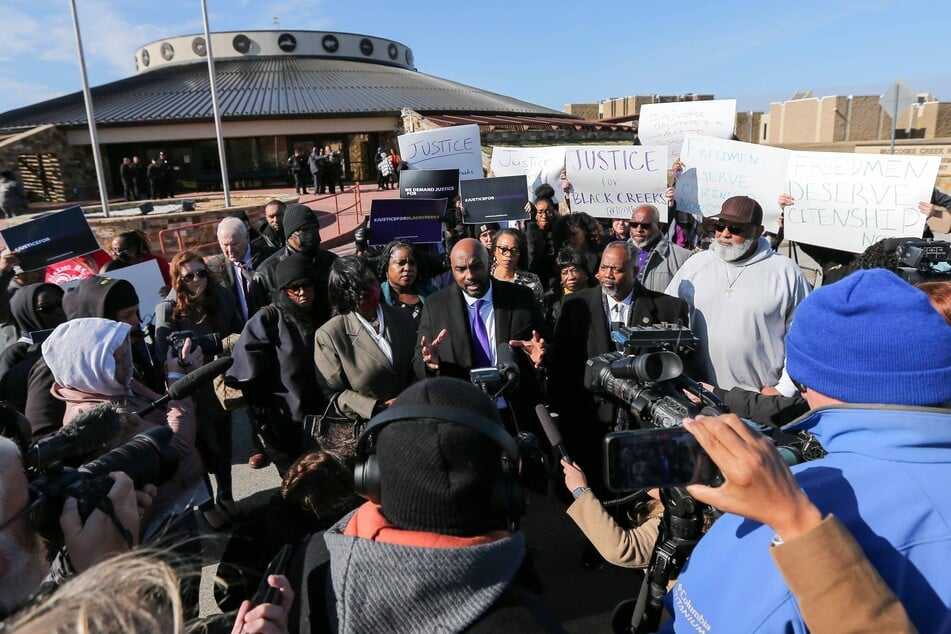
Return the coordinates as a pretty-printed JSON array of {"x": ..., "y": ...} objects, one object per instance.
[
  {"x": 88, "y": 433},
  {"x": 190, "y": 383},
  {"x": 551, "y": 431}
]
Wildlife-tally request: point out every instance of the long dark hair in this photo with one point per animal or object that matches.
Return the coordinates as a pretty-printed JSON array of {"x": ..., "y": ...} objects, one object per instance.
[
  {"x": 347, "y": 285},
  {"x": 197, "y": 307}
]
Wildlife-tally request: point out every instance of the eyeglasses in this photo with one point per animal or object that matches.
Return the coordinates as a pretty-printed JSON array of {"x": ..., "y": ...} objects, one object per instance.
[
  {"x": 298, "y": 287},
  {"x": 507, "y": 250},
  {"x": 543, "y": 212},
  {"x": 642, "y": 225},
  {"x": 200, "y": 274},
  {"x": 734, "y": 229}
]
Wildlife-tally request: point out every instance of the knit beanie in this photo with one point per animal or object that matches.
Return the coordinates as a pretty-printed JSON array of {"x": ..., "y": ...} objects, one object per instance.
[
  {"x": 438, "y": 476},
  {"x": 871, "y": 338},
  {"x": 292, "y": 268},
  {"x": 296, "y": 216}
]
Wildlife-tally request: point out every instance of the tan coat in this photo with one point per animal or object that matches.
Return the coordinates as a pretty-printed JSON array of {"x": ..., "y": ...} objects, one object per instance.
[{"x": 630, "y": 548}]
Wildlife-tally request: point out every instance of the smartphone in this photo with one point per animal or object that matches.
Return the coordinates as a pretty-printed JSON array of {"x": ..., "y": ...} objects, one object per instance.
[
  {"x": 656, "y": 458},
  {"x": 265, "y": 592}
]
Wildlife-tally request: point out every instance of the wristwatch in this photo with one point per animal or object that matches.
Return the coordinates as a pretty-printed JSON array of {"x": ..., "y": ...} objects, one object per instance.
[{"x": 577, "y": 493}]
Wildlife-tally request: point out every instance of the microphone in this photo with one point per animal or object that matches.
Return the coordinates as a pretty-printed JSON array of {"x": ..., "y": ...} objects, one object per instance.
[
  {"x": 506, "y": 363},
  {"x": 88, "y": 433},
  {"x": 190, "y": 383},
  {"x": 552, "y": 432}
]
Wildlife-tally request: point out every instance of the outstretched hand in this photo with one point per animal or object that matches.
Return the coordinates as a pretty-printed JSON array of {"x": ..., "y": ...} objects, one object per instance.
[
  {"x": 757, "y": 483},
  {"x": 534, "y": 348},
  {"x": 430, "y": 350}
]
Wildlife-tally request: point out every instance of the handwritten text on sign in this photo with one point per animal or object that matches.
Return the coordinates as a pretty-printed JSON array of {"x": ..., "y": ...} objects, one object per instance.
[
  {"x": 718, "y": 169},
  {"x": 457, "y": 147},
  {"x": 851, "y": 201},
  {"x": 668, "y": 123},
  {"x": 539, "y": 164},
  {"x": 611, "y": 181}
]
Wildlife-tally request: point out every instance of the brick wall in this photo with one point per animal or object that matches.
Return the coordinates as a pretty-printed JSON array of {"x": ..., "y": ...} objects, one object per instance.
[{"x": 50, "y": 168}]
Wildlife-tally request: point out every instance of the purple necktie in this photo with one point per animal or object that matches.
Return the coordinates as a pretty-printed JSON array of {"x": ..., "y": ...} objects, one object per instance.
[{"x": 481, "y": 358}]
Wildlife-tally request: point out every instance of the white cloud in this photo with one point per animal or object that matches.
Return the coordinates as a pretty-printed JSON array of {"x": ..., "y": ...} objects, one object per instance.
[{"x": 16, "y": 94}]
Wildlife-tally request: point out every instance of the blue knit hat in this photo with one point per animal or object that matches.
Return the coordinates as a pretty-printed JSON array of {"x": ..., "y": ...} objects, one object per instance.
[{"x": 871, "y": 338}]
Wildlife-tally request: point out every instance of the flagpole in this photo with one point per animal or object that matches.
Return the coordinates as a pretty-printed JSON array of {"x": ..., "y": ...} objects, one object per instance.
[
  {"x": 214, "y": 107},
  {"x": 90, "y": 115}
]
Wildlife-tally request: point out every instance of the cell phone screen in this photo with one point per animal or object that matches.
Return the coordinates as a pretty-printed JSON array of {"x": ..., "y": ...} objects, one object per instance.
[{"x": 649, "y": 458}]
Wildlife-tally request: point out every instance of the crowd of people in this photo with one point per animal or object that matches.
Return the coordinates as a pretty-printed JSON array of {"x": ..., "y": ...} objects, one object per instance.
[{"x": 395, "y": 391}]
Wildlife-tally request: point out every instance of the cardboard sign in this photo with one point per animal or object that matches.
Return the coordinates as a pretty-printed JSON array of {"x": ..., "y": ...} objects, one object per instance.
[
  {"x": 416, "y": 220},
  {"x": 611, "y": 181},
  {"x": 53, "y": 238},
  {"x": 668, "y": 123},
  {"x": 415, "y": 184},
  {"x": 494, "y": 199},
  {"x": 851, "y": 201},
  {"x": 539, "y": 164},
  {"x": 457, "y": 147},
  {"x": 718, "y": 169}
]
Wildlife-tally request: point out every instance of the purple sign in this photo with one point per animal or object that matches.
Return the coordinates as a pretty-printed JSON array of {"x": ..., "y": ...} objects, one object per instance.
[
  {"x": 416, "y": 220},
  {"x": 494, "y": 199}
]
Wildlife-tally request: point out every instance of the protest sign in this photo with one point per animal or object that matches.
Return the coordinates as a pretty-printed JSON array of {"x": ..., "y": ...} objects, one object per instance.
[
  {"x": 668, "y": 123},
  {"x": 494, "y": 199},
  {"x": 417, "y": 184},
  {"x": 457, "y": 147},
  {"x": 718, "y": 169},
  {"x": 416, "y": 220},
  {"x": 611, "y": 181},
  {"x": 851, "y": 201},
  {"x": 539, "y": 164},
  {"x": 51, "y": 238}
]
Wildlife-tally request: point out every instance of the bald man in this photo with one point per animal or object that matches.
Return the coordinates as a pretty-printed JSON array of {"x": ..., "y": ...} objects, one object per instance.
[
  {"x": 658, "y": 259},
  {"x": 461, "y": 326}
]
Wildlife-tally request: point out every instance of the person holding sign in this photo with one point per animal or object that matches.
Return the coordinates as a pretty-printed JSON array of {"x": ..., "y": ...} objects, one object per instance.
[{"x": 742, "y": 296}]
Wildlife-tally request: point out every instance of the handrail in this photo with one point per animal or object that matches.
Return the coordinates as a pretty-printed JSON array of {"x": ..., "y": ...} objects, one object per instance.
[{"x": 196, "y": 236}]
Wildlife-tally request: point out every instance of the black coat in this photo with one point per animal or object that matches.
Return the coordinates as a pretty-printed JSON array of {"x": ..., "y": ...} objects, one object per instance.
[{"x": 265, "y": 278}]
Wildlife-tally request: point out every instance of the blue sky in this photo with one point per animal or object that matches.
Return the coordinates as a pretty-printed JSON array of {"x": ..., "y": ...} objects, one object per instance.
[{"x": 550, "y": 53}]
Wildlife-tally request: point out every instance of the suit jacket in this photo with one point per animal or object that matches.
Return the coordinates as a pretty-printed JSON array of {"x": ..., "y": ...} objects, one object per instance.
[
  {"x": 352, "y": 367},
  {"x": 516, "y": 315},
  {"x": 224, "y": 270}
]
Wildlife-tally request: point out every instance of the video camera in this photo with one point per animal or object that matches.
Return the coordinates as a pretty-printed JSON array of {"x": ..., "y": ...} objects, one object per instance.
[
  {"x": 147, "y": 459},
  {"x": 210, "y": 344},
  {"x": 923, "y": 260}
]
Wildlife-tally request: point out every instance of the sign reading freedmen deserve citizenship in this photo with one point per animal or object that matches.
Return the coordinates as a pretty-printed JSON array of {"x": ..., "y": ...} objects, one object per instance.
[
  {"x": 668, "y": 123},
  {"x": 416, "y": 220},
  {"x": 457, "y": 147},
  {"x": 718, "y": 169},
  {"x": 494, "y": 199},
  {"x": 417, "y": 184},
  {"x": 539, "y": 164},
  {"x": 53, "y": 238},
  {"x": 611, "y": 181},
  {"x": 851, "y": 201}
]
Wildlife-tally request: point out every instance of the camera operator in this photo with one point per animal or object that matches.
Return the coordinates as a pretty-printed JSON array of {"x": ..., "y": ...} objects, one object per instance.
[
  {"x": 835, "y": 585},
  {"x": 879, "y": 401},
  {"x": 23, "y": 554}
]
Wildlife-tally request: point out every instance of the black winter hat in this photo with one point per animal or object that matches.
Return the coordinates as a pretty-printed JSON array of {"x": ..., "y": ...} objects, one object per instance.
[
  {"x": 438, "y": 476},
  {"x": 296, "y": 216},
  {"x": 292, "y": 268}
]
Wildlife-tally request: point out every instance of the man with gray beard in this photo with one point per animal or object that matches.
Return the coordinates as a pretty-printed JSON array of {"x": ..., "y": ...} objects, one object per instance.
[{"x": 741, "y": 297}]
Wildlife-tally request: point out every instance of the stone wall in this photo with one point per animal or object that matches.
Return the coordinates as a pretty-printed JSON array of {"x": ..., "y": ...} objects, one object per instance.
[
  {"x": 51, "y": 169},
  {"x": 587, "y": 111}
]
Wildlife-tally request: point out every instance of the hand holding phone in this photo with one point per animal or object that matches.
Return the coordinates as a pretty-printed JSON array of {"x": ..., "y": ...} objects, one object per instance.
[
  {"x": 656, "y": 458},
  {"x": 266, "y": 593}
]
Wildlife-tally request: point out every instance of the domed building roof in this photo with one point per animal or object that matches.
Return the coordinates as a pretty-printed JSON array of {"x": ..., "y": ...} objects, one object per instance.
[{"x": 271, "y": 74}]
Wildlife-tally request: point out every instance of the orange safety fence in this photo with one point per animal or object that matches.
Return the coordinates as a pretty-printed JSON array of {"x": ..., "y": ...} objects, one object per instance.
[{"x": 201, "y": 236}]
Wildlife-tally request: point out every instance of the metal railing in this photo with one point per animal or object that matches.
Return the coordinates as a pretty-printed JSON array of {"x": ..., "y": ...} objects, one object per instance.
[{"x": 201, "y": 236}]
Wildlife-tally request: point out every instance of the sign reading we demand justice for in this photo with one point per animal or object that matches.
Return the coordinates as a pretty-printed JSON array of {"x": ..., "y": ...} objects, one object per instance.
[
  {"x": 611, "y": 181},
  {"x": 851, "y": 201},
  {"x": 457, "y": 147}
]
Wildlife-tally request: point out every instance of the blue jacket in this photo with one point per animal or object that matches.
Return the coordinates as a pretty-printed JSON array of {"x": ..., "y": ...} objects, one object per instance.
[{"x": 886, "y": 478}]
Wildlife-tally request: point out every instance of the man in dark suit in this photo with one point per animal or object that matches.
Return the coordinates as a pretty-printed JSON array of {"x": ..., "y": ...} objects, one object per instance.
[
  {"x": 235, "y": 267},
  {"x": 583, "y": 331},
  {"x": 461, "y": 326}
]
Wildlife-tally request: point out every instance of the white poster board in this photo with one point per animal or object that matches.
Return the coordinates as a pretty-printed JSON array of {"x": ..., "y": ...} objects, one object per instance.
[
  {"x": 717, "y": 169},
  {"x": 457, "y": 147},
  {"x": 538, "y": 164},
  {"x": 851, "y": 201},
  {"x": 611, "y": 181},
  {"x": 147, "y": 280},
  {"x": 668, "y": 123}
]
